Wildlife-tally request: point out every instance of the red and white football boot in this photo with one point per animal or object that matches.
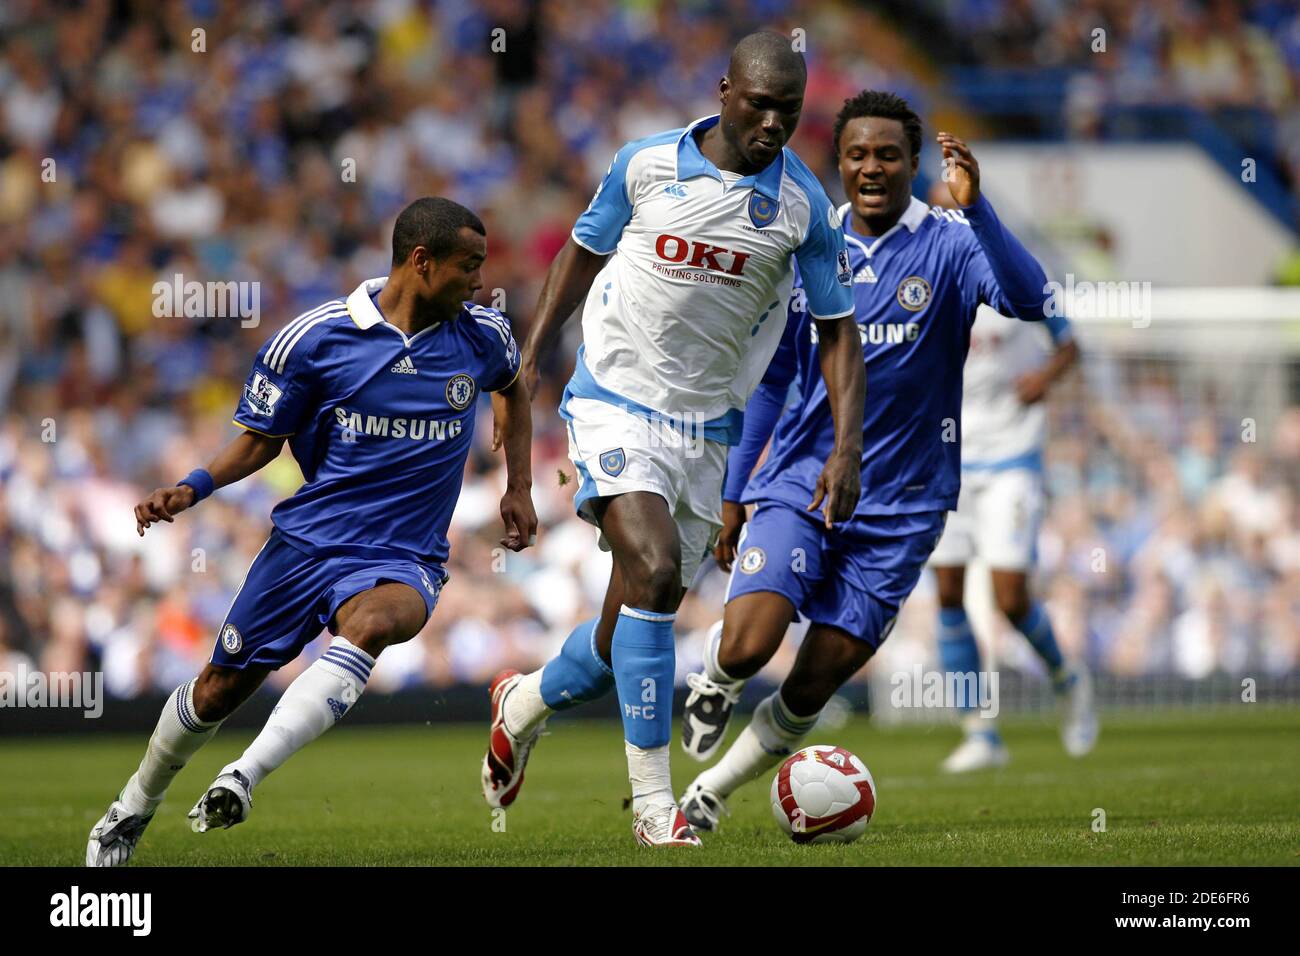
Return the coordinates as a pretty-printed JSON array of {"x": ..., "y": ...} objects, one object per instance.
[
  {"x": 664, "y": 826},
  {"x": 507, "y": 755}
]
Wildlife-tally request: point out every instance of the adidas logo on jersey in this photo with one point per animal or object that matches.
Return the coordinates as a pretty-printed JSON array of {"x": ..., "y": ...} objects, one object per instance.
[
  {"x": 865, "y": 274},
  {"x": 405, "y": 367}
]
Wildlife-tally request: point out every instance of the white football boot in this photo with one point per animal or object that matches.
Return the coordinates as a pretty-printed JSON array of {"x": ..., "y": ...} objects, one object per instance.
[
  {"x": 703, "y": 808},
  {"x": 1079, "y": 725},
  {"x": 981, "y": 750},
  {"x": 114, "y": 837},
  {"x": 663, "y": 826},
  {"x": 227, "y": 802},
  {"x": 507, "y": 755}
]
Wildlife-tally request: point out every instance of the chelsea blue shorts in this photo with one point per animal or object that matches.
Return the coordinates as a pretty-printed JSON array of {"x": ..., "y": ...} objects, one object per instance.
[
  {"x": 288, "y": 596},
  {"x": 854, "y": 577}
]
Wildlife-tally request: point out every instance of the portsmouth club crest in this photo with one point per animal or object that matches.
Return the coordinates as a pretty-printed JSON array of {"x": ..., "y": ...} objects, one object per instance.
[
  {"x": 762, "y": 210},
  {"x": 613, "y": 462},
  {"x": 460, "y": 391},
  {"x": 913, "y": 293}
]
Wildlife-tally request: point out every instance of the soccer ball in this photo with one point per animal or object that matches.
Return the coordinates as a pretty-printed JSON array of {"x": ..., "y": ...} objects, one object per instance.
[{"x": 823, "y": 794}]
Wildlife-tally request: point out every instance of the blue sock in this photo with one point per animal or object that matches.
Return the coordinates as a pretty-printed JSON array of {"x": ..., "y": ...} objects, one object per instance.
[
  {"x": 645, "y": 660},
  {"x": 577, "y": 674},
  {"x": 958, "y": 652},
  {"x": 1037, "y": 629}
]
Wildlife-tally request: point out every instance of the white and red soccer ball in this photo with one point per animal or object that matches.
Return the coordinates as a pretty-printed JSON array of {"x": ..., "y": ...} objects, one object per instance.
[{"x": 823, "y": 795}]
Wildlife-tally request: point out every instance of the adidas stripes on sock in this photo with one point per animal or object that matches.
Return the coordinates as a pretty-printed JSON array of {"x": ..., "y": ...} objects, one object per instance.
[
  {"x": 316, "y": 700},
  {"x": 177, "y": 737}
]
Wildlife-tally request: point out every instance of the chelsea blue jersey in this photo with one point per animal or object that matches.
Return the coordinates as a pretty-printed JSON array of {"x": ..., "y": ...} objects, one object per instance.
[
  {"x": 916, "y": 290},
  {"x": 379, "y": 422}
]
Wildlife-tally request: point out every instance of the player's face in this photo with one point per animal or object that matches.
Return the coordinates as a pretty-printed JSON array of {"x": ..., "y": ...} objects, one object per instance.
[
  {"x": 760, "y": 113},
  {"x": 876, "y": 167},
  {"x": 456, "y": 278}
]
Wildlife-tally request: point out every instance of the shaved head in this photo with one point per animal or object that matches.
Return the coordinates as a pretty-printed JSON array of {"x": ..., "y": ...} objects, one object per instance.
[
  {"x": 761, "y": 98},
  {"x": 766, "y": 54}
]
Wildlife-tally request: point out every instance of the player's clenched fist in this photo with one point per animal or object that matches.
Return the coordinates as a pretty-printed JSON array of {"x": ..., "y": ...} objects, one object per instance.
[
  {"x": 519, "y": 518},
  {"x": 162, "y": 505}
]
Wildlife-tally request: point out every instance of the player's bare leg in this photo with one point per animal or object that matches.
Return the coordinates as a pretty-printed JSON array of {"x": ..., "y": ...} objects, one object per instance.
[
  {"x": 365, "y": 624},
  {"x": 735, "y": 649},
  {"x": 827, "y": 658},
  {"x": 1070, "y": 679},
  {"x": 220, "y": 691},
  {"x": 189, "y": 719}
]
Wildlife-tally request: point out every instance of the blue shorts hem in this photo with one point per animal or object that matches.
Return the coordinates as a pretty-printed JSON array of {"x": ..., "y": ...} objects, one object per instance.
[{"x": 288, "y": 598}]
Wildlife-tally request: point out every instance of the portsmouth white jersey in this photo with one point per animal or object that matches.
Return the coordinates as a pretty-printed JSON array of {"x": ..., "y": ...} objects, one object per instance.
[
  {"x": 687, "y": 312},
  {"x": 998, "y": 431}
]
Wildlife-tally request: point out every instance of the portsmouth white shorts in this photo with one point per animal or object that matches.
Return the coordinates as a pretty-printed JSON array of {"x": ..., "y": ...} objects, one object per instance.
[
  {"x": 616, "y": 451},
  {"x": 997, "y": 519}
]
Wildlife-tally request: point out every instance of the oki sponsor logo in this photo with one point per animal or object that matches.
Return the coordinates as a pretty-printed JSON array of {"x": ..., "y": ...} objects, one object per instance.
[{"x": 701, "y": 255}]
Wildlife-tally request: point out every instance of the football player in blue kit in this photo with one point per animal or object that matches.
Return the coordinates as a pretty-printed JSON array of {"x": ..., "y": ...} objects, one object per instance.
[
  {"x": 919, "y": 275},
  {"x": 375, "y": 394}
]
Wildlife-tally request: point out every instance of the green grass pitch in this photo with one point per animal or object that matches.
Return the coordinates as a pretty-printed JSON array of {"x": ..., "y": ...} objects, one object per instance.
[{"x": 1193, "y": 788}]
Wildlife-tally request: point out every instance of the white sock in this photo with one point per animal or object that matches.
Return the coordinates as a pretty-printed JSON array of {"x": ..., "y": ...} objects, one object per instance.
[
  {"x": 713, "y": 641},
  {"x": 652, "y": 781},
  {"x": 312, "y": 704},
  {"x": 177, "y": 737},
  {"x": 771, "y": 735},
  {"x": 524, "y": 708}
]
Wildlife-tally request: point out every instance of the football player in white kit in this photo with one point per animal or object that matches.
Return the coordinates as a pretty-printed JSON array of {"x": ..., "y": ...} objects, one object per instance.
[
  {"x": 683, "y": 266},
  {"x": 997, "y": 518}
]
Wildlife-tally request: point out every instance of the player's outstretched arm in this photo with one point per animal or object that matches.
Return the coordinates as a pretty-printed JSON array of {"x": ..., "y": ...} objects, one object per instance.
[
  {"x": 568, "y": 280},
  {"x": 247, "y": 453},
  {"x": 846, "y": 383},
  {"x": 514, "y": 414}
]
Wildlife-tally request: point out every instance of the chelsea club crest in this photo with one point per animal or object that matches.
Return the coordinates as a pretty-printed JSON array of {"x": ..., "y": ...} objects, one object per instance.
[
  {"x": 762, "y": 210},
  {"x": 231, "y": 639},
  {"x": 913, "y": 293},
  {"x": 613, "y": 462},
  {"x": 460, "y": 391},
  {"x": 752, "y": 561}
]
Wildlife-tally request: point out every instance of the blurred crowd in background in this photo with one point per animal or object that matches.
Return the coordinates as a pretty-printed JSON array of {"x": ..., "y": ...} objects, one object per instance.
[
  {"x": 276, "y": 144},
  {"x": 1208, "y": 53},
  {"x": 1237, "y": 61}
]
